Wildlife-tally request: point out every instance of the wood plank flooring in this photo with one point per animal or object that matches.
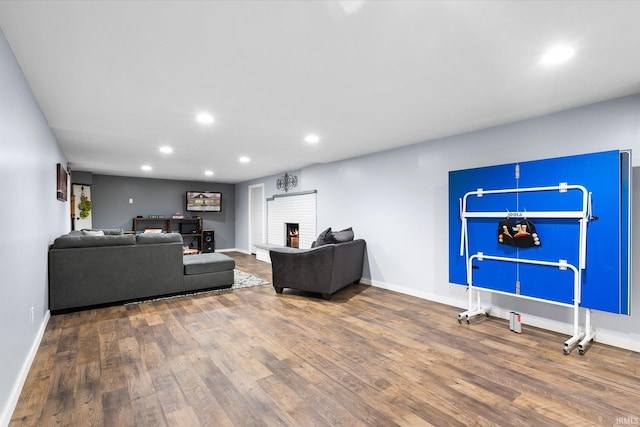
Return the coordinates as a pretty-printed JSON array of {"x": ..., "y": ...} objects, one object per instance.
[{"x": 368, "y": 357}]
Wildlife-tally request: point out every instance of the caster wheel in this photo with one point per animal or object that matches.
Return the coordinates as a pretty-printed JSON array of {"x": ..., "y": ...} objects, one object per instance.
[
  {"x": 565, "y": 351},
  {"x": 468, "y": 321},
  {"x": 581, "y": 352},
  {"x": 459, "y": 321}
]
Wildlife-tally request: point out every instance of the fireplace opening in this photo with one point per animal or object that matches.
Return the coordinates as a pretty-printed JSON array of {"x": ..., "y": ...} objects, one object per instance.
[{"x": 293, "y": 235}]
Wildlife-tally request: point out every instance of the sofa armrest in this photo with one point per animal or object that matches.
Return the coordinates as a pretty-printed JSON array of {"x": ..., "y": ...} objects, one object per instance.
[
  {"x": 79, "y": 241},
  {"x": 348, "y": 265},
  {"x": 304, "y": 269}
]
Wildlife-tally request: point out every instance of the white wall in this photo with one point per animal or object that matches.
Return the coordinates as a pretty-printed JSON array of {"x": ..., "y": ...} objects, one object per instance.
[
  {"x": 397, "y": 200},
  {"x": 33, "y": 218}
]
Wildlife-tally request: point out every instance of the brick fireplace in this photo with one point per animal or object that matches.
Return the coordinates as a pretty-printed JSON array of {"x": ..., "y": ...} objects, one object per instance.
[{"x": 291, "y": 219}]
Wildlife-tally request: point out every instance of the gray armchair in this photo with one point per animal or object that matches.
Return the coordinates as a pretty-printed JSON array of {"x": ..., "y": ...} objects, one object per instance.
[{"x": 324, "y": 269}]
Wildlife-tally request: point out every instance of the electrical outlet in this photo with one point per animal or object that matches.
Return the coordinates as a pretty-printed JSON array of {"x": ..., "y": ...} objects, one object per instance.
[{"x": 33, "y": 314}]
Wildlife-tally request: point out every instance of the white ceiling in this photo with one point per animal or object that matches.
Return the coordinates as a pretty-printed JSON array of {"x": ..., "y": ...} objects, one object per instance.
[{"x": 118, "y": 79}]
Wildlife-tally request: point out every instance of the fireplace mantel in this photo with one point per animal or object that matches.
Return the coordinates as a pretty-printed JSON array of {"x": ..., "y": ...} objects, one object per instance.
[{"x": 299, "y": 193}]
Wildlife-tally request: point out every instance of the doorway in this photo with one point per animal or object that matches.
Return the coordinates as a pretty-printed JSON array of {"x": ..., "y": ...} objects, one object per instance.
[
  {"x": 81, "y": 194},
  {"x": 256, "y": 216}
]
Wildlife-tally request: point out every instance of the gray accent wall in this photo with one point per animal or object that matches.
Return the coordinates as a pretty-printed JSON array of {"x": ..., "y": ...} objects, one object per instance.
[
  {"x": 398, "y": 200},
  {"x": 34, "y": 218},
  {"x": 81, "y": 178},
  {"x": 111, "y": 208}
]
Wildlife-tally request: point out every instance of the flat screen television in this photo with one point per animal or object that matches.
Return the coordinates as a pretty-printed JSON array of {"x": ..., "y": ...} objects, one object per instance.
[{"x": 204, "y": 201}]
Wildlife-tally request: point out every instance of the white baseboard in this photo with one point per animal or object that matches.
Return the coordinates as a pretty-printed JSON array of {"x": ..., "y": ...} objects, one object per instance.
[
  {"x": 614, "y": 339},
  {"x": 424, "y": 295},
  {"x": 244, "y": 251},
  {"x": 10, "y": 406},
  {"x": 602, "y": 336}
]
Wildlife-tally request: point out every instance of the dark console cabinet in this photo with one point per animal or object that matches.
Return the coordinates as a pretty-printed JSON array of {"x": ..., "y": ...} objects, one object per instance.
[{"x": 190, "y": 229}]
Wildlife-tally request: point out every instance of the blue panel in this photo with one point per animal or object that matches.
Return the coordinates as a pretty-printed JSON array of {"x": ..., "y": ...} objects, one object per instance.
[
  {"x": 599, "y": 173},
  {"x": 606, "y": 280},
  {"x": 560, "y": 240},
  {"x": 496, "y": 275},
  {"x": 461, "y": 182},
  {"x": 546, "y": 282}
]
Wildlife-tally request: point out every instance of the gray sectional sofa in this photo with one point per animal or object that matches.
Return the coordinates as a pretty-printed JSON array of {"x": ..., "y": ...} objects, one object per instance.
[{"x": 90, "y": 270}]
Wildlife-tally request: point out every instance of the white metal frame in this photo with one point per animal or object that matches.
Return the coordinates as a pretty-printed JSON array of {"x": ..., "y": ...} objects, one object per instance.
[{"x": 582, "y": 337}]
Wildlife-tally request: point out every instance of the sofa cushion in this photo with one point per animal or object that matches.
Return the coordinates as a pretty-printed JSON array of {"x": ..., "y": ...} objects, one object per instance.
[
  {"x": 74, "y": 241},
  {"x": 92, "y": 233},
  {"x": 341, "y": 236},
  {"x": 156, "y": 238},
  {"x": 105, "y": 231},
  {"x": 113, "y": 231},
  {"x": 322, "y": 238},
  {"x": 207, "y": 263}
]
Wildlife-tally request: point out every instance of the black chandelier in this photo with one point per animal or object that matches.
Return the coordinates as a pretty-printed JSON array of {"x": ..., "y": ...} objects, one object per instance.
[{"x": 287, "y": 182}]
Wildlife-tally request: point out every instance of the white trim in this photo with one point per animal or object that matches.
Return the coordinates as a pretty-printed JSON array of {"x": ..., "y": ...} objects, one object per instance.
[
  {"x": 14, "y": 396},
  {"x": 249, "y": 215},
  {"x": 414, "y": 293},
  {"x": 244, "y": 251},
  {"x": 602, "y": 336}
]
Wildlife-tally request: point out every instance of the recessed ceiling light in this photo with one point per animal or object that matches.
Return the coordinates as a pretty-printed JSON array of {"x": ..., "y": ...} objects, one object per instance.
[
  {"x": 205, "y": 118},
  {"x": 208, "y": 173},
  {"x": 557, "y": 54},
  {"x": 166, "y": 149},
  {"x": 146, "y": 168},
  {"x": 244, "y": 159},
  {"x": 312, "y": 139}
]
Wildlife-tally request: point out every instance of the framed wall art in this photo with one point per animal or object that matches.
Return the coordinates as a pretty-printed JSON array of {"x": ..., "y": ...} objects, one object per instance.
[{"x": 61, "y": 183}]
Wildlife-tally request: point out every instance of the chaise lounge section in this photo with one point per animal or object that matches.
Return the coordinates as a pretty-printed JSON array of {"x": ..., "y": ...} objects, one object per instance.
[{"x": 212, "y": 270}]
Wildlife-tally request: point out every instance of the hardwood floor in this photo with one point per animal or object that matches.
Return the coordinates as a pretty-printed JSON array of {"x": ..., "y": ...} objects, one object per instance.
[{"x": 368, "y": 357}]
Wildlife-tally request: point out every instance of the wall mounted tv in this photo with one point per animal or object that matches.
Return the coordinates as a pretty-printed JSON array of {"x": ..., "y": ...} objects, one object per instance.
[{"x": 204, "y": 201}]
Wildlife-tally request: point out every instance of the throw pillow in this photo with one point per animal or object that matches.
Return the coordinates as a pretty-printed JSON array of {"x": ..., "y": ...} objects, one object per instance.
[
  {"x": 152, "y": 230},
  {"x": 92, "y": 233},
  {"x": 322, "y": 238},
  {"x": 341, "y": 236},
  {"x": 113, "y": 231}
]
